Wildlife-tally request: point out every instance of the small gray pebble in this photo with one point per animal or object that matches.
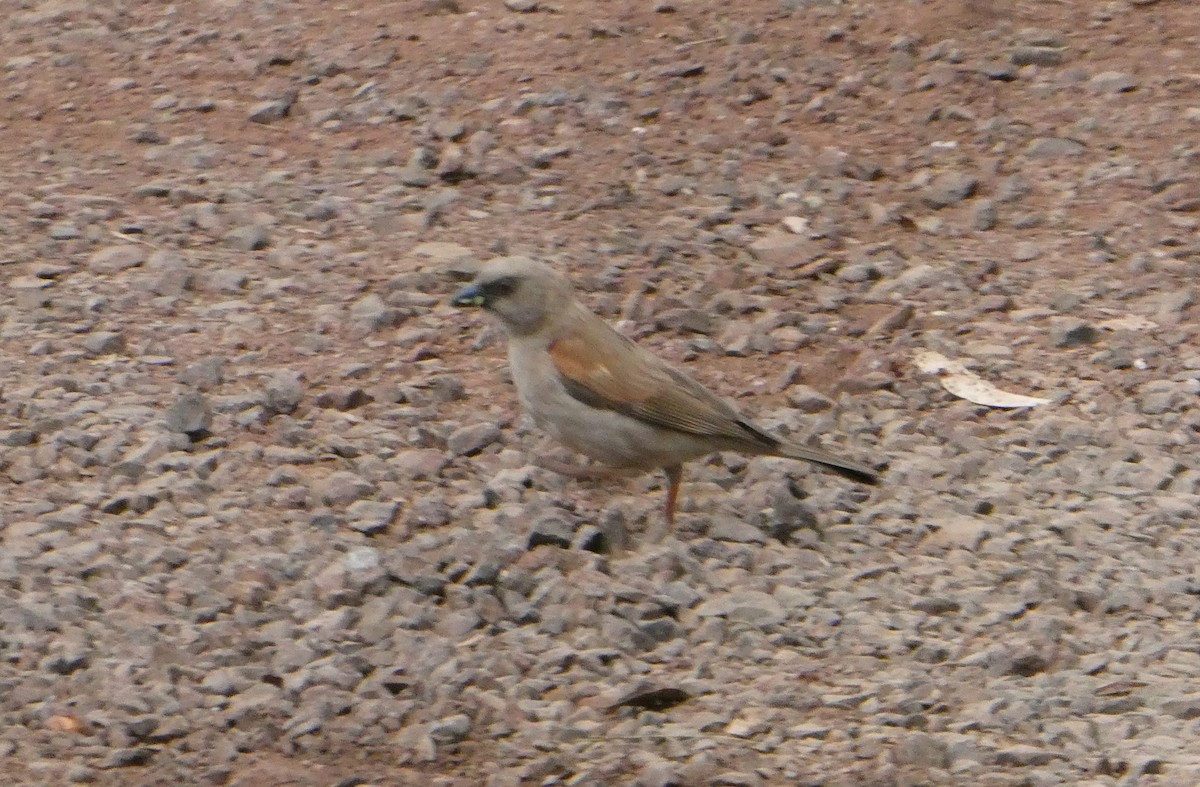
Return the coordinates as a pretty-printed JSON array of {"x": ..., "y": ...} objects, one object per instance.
[
  {"x": 190, "y": 414},
  {"x": 104, "y": 343}
]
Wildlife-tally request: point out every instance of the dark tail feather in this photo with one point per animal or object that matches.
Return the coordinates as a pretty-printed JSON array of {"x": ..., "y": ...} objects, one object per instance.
[{"x": 853, "y": 470}]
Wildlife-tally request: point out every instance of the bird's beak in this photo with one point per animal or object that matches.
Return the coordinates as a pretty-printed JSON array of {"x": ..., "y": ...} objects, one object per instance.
[{"x": 471, "y": 295}]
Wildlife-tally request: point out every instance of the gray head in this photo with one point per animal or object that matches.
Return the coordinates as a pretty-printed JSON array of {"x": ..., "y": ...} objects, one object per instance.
[{"x": 521, "y": 292}]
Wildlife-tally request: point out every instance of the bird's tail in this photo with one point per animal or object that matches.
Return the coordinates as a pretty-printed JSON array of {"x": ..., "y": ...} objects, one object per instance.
[{"x": 859, "y": 472}]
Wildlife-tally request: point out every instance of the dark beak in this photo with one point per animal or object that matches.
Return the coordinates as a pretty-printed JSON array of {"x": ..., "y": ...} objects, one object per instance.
[{"x": 471, "y": 295}]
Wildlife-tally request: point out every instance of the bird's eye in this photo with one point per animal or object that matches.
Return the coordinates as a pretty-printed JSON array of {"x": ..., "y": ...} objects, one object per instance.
[{"x": 500, "y": 288}]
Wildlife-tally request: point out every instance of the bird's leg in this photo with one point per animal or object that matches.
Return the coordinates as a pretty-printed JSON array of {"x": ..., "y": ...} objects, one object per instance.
[{"x": 674, "y": 476}]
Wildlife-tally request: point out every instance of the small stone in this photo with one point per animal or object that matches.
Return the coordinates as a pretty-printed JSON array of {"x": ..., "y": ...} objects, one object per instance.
[
  {"x": 1119, "y": 706},
  {"x": 1075, "y": 333},
  {"x": 857, "y": 272},
  {"x": 747, "y": 728},
  {"x": 999, "y": 71},
  {"x": 1025, "y": 756},
  {"x": 224, "y": 280},
  {"x": 343, "y": 488},
  {"x": 551, "y": 531},
  {"x": 807, "y": 730},
  {"x": 452, "y": 729},
  {"x": 190, "y": 414},
  {"x": 746, "y": 606},
  {"x": 521, "y": 6},
  {"x": 483, "y": 574},
  {"x": 1113, "y": 82},
  {"x": 436, "y": 7},
  {"x": 741, "y": 338},
  {"x": 343, "y": 398},
  {"x": 418, "y": 464},
  {"x": 670, "y": 185},
  {"x": 145, "y": 134},
  {"x": 27, "y": 284},
  {"x": 251, "y": 237},
  {"x": 417, "y": 177},
  {"x": 204, "y": 215},
  {"x": 44, "y": 210},
  {"x": 1184, "y": 707},
  {"x": 104, "y": 343},
  {"x": 984, "y": 217},
  {"x": 80, "y": 774},
  {"x": 1181, "y": 197},
  {"x": 922, "y": 750},
  {"x": 1036, "y": 56},
  {"x": 727, "y": 528},
  {"x": 699, "y": 321},
  {"x": 372, "y": 314},
  {"x": 1026, "y": 251},
  {"x": 451, "y": 129},
  {"x": 66, "y": 662},
  {"x": 152, "y": 189},
  {"x": 127, "y": 758},
  {"x": 452, "y": 164},
  {"x": 273, "y": 111},
  {"x": 961, "y": 532},
  {"x": 113, "y": 259},
  {"x": 1014, "y": 188},
  {"x": 937, "y": 605},
  {"x": 651, "y": 696},
  {"x": 173, "y": 275},
  {"x": 1026, "y": 663},
  {"x": 284, "y": 392},
  {"x": 1163, "y": 396},
  {"x": 807, "y": 400},
  {"x": 371, "y": 517},
  {"x": 454, "y": 259},
  {"x": 323, "y": 209},
  {"x": 785, "y": 249},
  {"x": 15, "y": 438},
  {"x": 1054, "y": 147},
  {"x": 363, "y": 560},
  {"x": 949, "y": 188},
  {"x": 470, "y": 440},
  {"x": 204, "y": 374},
  {"x": 1040, "y": 36},
  {"x": 63, "y": 230},
  {"x": 660, "y": 773}
]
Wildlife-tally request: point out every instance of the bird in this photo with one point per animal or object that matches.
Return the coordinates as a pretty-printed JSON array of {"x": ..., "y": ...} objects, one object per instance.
[{"x": 597, "y": 392}]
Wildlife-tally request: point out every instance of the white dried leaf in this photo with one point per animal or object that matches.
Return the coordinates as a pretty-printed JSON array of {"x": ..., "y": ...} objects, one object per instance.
[
  {"x": 955, "y": 378},
  {"x": 980, "y": 391}
]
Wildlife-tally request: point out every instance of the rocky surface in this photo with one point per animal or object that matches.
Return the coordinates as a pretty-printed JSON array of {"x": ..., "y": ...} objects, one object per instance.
[{"x": 270, "y": 514}]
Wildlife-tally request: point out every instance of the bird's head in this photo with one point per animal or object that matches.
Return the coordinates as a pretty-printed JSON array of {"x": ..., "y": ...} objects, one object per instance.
[{"x": 521, "y": 292}]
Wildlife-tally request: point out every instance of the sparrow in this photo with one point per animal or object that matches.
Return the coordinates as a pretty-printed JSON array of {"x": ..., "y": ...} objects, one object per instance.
[{"x": 598, "y": 393}]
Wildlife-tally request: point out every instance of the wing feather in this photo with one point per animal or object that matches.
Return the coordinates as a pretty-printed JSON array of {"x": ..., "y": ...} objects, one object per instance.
[{"x": 604, "y": 369}]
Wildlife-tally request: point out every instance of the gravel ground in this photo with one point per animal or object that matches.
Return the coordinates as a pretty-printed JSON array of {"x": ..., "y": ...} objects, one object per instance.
[{"x": 269, "y": 510}]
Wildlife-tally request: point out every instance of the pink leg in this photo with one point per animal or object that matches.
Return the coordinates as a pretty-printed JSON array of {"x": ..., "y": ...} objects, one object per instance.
[{"x": 674, "y": 476}]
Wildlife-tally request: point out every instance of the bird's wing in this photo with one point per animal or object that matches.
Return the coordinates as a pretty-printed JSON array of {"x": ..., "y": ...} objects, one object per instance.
[{"x": 604, "y": 369}]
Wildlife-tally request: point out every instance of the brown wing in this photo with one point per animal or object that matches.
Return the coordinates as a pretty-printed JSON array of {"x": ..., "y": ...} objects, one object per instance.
[{"x": 604, "y": 369}]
